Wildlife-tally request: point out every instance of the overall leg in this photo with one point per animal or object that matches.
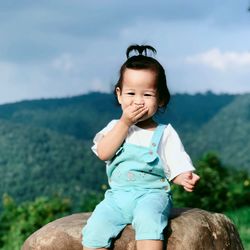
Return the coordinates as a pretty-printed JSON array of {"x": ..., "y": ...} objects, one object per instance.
[
  {"x": 105, "y": 223},
  {"x": 150, "y": 219}
]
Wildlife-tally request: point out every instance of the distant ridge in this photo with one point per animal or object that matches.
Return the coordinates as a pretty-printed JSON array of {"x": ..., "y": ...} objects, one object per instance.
[{"x": 77, "y": 115}]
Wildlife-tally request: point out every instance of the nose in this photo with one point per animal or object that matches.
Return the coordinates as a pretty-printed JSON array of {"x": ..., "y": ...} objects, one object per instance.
[{"x": 138, "y": 100}]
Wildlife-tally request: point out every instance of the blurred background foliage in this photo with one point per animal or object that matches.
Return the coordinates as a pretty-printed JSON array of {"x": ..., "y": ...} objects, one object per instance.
[{"x": 219, "y": 189}]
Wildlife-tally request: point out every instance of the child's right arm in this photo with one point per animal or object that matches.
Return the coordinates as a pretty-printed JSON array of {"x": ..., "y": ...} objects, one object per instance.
[{"x": 111, "y": 142}]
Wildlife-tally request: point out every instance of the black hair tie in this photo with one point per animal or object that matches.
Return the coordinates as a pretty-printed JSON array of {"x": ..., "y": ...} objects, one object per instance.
[{"x": 140, "y": 49}]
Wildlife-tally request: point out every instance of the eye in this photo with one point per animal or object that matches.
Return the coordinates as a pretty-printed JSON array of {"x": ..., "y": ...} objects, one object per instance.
[
  {"x": 130, "y": 93},
  {"x": 150, "y": 95}
]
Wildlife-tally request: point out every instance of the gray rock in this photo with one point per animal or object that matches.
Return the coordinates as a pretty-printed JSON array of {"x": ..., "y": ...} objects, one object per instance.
[{"x": 188, "y": 229}]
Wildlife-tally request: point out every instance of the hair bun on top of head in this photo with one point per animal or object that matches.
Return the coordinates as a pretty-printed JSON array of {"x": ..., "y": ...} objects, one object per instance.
[{"x": 140, "y": 49}]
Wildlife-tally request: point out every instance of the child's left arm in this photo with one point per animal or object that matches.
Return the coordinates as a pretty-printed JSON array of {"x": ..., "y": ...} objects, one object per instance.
[{"x": 188, "y": 180}]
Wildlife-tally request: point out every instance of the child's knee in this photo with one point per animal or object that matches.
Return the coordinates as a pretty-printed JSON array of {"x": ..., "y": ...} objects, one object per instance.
[
  {"x": 149, "y": 225},
  {"x": 145, "y": 219}
]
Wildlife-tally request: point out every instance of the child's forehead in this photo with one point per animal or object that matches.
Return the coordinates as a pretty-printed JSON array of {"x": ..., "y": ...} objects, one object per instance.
[
  {"x": 139, "y": 79},
  {"x": 138, "y": 72},
  {"x": 140, "y": 86}
]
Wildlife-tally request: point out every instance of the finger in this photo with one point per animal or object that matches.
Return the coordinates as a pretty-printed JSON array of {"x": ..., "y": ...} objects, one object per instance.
[
  {"x": 132, "y": 111},
  {"x": 141, "y": 113},
  {"x": 194, "y": 180},
  {"x": 189, "y": 181},
  {"x": 188, "y": 185},
  {"x": 137, "y": 108},
  {"x": 196, "y": 177},
  {"x": 188, "y": 189}
]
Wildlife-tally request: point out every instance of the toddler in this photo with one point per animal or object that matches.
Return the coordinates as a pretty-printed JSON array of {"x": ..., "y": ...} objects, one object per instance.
[{"x": 142, "y": 156}]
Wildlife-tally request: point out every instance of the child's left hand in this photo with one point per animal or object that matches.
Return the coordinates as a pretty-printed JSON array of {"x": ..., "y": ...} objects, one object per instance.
[{"x": 188, "y": 180}]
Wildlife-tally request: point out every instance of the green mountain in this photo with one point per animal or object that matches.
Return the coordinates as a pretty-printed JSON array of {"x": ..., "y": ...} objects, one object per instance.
[
  {"x": 38, "y": 161},
  {"x": 82, "y": 116},
  {"x": 227, "y": 133},
  {"x": 79, "y": 116},
  {"x": 45, "y": 144}
]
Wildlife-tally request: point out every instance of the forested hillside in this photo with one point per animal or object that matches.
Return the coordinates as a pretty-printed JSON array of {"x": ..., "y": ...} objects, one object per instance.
[
  {"x": 78, "y": 116},
  {"x": 39, "y": 162},
  {"x": 82, "y": 116},
  {"x": 45, "y": 144},
  {"x": 227, "y": 133}
]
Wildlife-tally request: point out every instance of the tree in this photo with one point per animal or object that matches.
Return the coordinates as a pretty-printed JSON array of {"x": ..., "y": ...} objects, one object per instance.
[{"x": 17, "y": 222}]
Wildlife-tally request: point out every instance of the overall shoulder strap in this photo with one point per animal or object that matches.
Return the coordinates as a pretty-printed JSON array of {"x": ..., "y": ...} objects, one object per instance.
[{"x": 157, "y": 136}]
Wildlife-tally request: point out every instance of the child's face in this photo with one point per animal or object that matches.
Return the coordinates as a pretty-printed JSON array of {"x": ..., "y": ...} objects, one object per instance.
[{"x": 139, "y": 87}]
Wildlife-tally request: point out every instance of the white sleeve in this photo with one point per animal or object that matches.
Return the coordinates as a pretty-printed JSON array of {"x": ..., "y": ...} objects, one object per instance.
[
  {"x": 101, "y": 133},
  {"x": 177, "y": 160}
]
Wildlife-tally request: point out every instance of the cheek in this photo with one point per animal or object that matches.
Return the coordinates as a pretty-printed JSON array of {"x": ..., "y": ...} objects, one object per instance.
[
  {"x": 126, "y": 102},
  {"x": 155, "y": 108},
  {"x": 152, "y": 104}
]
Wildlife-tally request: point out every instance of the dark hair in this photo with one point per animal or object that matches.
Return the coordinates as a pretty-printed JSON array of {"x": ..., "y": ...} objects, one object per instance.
[{"x": 141, "y": 61}]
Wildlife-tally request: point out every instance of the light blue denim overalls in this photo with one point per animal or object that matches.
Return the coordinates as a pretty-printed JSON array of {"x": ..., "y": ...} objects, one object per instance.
[{"x": 139, "y": 195}]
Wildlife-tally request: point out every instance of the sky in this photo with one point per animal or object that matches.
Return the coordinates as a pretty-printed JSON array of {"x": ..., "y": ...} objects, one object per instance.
[{"x": 62, "y": 48}]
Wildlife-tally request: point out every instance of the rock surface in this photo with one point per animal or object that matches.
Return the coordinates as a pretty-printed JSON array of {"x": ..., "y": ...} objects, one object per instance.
[{"x": 188, "y": 229}]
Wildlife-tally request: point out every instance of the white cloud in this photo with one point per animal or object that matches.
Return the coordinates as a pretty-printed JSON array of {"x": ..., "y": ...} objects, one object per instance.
[{"x": 214, "y": 58}]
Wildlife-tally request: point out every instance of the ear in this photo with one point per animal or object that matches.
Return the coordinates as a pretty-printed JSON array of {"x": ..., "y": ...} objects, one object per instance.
[{"x": 118, "y": 94}]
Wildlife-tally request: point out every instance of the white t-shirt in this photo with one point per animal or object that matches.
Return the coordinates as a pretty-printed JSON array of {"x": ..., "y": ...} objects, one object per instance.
[{"x": 171, "y": 151}]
